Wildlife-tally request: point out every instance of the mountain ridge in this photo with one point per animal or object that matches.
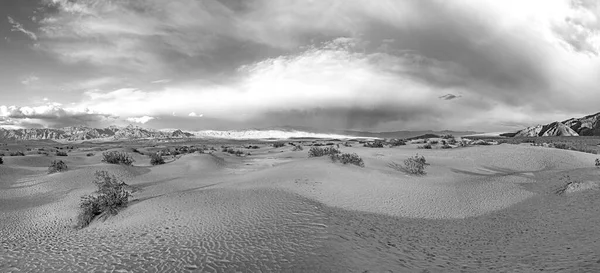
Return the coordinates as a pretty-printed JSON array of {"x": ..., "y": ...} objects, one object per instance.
[{"x": 585, "y": 126}]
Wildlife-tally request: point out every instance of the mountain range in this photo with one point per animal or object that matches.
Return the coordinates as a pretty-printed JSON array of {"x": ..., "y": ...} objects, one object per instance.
[
  {"x": 584, "y": 126},
  {"x": 135, "y": 132}
]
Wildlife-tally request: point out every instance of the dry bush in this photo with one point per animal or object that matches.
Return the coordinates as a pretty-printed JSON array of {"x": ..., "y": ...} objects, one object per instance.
[
  {"x": 111, "y": 196},
  {"x": 278, "y": 144},
  {"x": 397, "y": 142},
  {"x": 346, "y": 158},
  {"x": 425, "y": 146},
  {"x": 297, "y": 148},
  {"x": 1, "y": 160},
  {"x": 61, "y": 153},
  {"x": 415, "y": 165},
  {"x": 115, "y": 157},
  {"x": 57, "y": 166},
  {"x": 156, "y": 159},
  {"x": 318, "y": 152},
  {"x": 446, "y": 146},
  {"x": 90, "y": 154},
  {"x": 17, "y": 153},
  {"x": 374, "y": 144},
  {"x": 433, "y": 142},
  {"x": 597, "y": 162}
]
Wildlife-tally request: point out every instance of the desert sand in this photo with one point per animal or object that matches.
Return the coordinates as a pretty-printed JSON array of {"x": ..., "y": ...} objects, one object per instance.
[{"x": 479, "y": 209}]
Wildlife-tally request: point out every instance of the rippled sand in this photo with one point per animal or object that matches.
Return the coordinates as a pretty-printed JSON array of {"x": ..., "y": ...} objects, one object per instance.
[{"x": 283, "y": 212}]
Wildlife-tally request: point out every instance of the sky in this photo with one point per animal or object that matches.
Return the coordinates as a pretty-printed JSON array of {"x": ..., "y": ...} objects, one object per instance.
[{"x": 386, "y": 65}]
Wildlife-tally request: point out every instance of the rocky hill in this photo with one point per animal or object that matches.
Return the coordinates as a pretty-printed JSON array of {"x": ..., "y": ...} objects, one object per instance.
[
  {"x": 86, "y": 133},
  {"x": 585, "y": 126}
]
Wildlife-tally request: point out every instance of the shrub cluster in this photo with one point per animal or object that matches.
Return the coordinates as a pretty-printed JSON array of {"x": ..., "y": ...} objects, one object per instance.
[
  {"x": 17, "y": 153},
  {"x": 156, "y": 159},
  {"x": 446, "y": 146},
  {"x": 298, "y": 148},
  {"x": 433, "y": 142},
  {"x": 425, "y": 146},
  {"x": 348, "y": 159},
  {"x": 278, "y": 144},
  {"x": 233, "y": 152},
  {"x": 318, "y": 152},
  {"x": 57, "y": 166},
  {"x": 115, "y": 157},
  {"x": 397, "y": 142},
  {"x": 346, "y": 144},
  {"x": 1, "y": 160},
  {"x": 58, "y": 153},
  {"x": 374, "y": 144},
  {"x": 597, "y": 162},
  {"x": 111, "y": 195},
  {"x": 415, "y": 165},
  {"x": 447, "y": 136},
  {"x": 90, "y": 154}
]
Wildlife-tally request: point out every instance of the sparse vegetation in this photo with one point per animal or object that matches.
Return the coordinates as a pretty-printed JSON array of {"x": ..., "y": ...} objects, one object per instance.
[
  {"x": 397, "y": 142},
  {"x": 424, "y": 146},
  {"x": 90, "y": 154},
  {"x": 318, "y": 152},
  {"x": 374, "y": 144},
  {"x": 115, "y": 157},
  {"x": 446, "y": 146},
  {"x": 111, "y": 196},
  {"x": 156, "y": 159},
  {"x": 17, "y": 153},
  {"x": 61, "y": 154},
  {"x": 415, "y": 165},
  {"x": 347, "y": 158},
  {"x": 297, "y": 148},
  {"x": 1, "y": 160},
  {"x": 57, "y": 166},
  {"x": 447, "y": 136},
  {"x": 278, "y": 144},
  {"x": 597, "y": 162},
  {"x": 433, "y": 142}
]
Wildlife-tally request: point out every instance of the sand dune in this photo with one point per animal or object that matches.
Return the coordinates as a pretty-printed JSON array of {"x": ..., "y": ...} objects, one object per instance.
[{"x": 486, "y": 208}]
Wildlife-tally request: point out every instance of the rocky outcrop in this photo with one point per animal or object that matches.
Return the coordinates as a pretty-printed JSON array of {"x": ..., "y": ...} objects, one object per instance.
[
  {"x": 585, "y": 126},
  {"x": 86, "y": 133}
]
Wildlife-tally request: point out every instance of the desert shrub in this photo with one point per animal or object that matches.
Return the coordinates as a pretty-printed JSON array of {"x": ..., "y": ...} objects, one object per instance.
[
  {"x": 61, "y": 154},
  {"x": 90, "y": 154},
  {"x": 108, "y": 199},
  {"x": 347, "y": 159},
  {"x": 397, "y": 142},
  {"x": 17, "y": 153},
  {"x": 415, "y": 165},
  {"x": 597, "y": 162},
  {"x": 446, "y": 146},
  {"x": 346, "y": 144},
  {"x": 318, "y": 152},
  {"x": 57, "y": 166},
  {"x": 298, "y": 148},
  {"x": 463, "y": 143},
  {"x": 278, "y": 144},
  {"x": 1, "y": 160},
  {"x": 452, "y": 141},
  {"x": 449, "y": 136},
  {"x": 425, "y": 146},
  {"x": 2, "y": 154},
  {"x": 156, "y": 159},
  {"x": 374, "y": 144},
  {"x": 433, "y": 142},
  {"x": 115, "y": 157}
]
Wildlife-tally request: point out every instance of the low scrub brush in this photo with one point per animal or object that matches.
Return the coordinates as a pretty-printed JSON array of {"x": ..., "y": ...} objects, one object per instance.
[
  {"x": 318, "y": 152},
  {"x": 415, "y": 165},
  {"x": 346, "y": 158},
  {"x": 156, "y": 159},
  {"x": 111, "y": 196},
  {"x": 115, "y": 157},
  {"x": 57, "y": 166}
]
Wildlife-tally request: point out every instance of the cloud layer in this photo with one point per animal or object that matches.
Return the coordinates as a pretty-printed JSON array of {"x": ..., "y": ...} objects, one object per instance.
[{"x": 377, "y": 65}]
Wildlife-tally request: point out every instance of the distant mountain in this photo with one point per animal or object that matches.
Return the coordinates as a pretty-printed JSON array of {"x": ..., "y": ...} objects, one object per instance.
[
  {"x": 585, "y": 126},
  {"x": 134, "y": 132},
  {"x": 86, "y": 133}
]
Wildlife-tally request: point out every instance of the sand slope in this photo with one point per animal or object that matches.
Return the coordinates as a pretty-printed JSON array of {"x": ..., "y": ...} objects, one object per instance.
[{"x": 488, "y": 208}]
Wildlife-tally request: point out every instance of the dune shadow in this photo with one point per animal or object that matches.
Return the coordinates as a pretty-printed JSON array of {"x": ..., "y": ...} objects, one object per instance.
[{"x": 491, "y": 171}]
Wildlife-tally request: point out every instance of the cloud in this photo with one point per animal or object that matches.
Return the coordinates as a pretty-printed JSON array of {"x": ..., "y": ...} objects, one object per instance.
[
  {"x": 50, "y": 115},
  {"x": 18, "y": 27},
  {"x": 161, "y": 81},
  {"x": 449, "y": 97},
  {"x": 141, "y": 120},
  {"x": 30, "y": 79},
  {"x": 193, "y": 114}
]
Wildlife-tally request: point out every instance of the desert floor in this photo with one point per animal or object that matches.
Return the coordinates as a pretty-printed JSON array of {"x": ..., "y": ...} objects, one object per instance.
[{"x": 478, "y": 209}]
